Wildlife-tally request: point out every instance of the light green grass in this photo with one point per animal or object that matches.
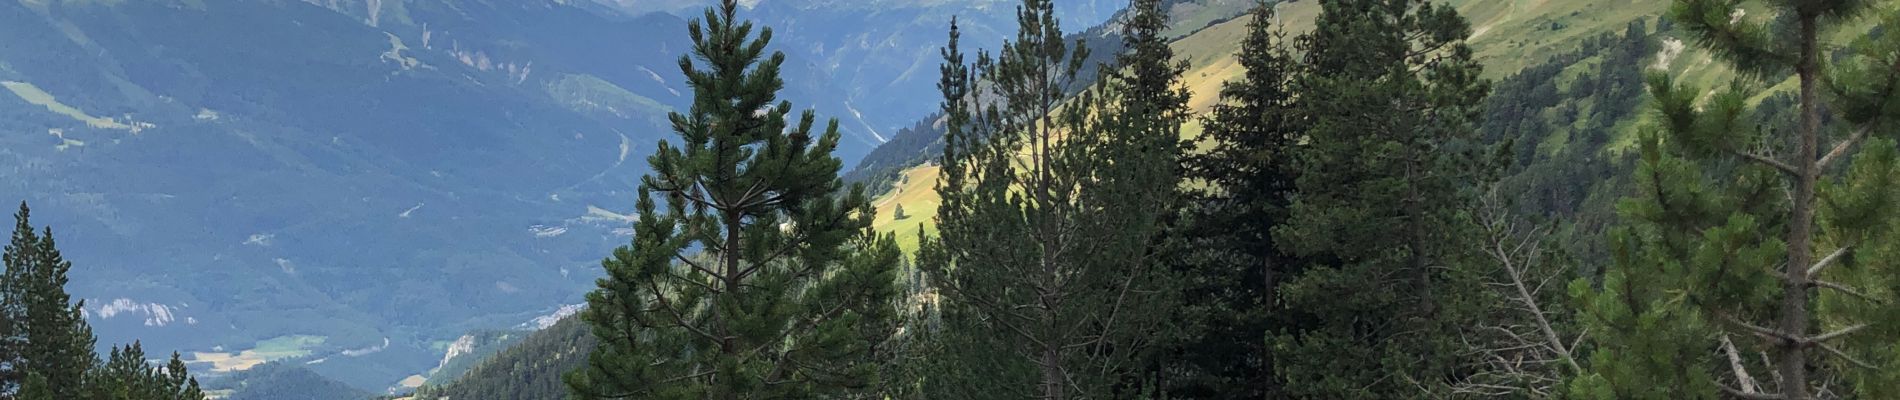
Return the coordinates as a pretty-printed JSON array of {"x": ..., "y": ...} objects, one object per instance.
[
  {"x": 273, "y": 349},
  {"x": 590, "y": 94},
  {"x": 33, "y": 94},
  {"x": 916, "y": 191},
  {"x": 1508, "y": 35}
]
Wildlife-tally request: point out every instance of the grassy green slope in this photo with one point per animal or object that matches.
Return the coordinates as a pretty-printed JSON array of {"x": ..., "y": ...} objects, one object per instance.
[{"x": 1507, "y": 35}]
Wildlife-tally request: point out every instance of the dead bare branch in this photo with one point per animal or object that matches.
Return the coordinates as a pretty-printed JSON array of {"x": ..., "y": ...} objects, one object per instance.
[{"x": 1831, "y": 259}]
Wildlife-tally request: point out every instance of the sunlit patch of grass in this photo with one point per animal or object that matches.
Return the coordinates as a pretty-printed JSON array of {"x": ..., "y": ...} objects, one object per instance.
[
  {"x": 916, "y": 192},
  {"x": 1508, "y": 35},
  {"x": 273, "y": 349},
  {"x": 33, "y": 94}
]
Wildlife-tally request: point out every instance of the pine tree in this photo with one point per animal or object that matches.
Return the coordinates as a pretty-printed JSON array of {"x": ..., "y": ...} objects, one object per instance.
[
  {"x": 1752, "y": 264},
  {"x": 49, "y": 345},
  {"x": 178, "y": 381},
  {"x": 17, "y": 258},
  {"x": 52, "y": 340},
  {"x": 1047, "y": 261},
  {"x": 127, "y": 376},
  {"x": 793, "y": 295},
  {"x": 1389, "y": 161},
  {"x": 34, "y": 387},
  {"x": 1249, "y": 173},
  {"x": 124, "y": 376}
]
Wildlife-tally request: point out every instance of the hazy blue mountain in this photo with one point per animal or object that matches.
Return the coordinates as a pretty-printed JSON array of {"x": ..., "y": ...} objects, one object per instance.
[
  {"x": 884, "y": 53},
  {"x": 880, "y": 54},
  {"x": 344, "y": 183},
  {"x": 277, "y": 381},
  {"x": 918, "y": 138}
]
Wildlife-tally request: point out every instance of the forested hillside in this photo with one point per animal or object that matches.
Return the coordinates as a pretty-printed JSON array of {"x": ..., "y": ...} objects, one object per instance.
[
  {"x": 1101, "y": 199},
  {"x": 281, "y": 381},
  {"x": 1338, "y": 199},
  {"x": 531, "y": 369},
  {"x": 1510, "y": 37}
]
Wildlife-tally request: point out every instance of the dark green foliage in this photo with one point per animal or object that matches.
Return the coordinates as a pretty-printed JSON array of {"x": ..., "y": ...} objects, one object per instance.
[
  {"x": 923, "y": 142},
  {"x": 1390, "y": 160},
  {"x": 1757, "y": 258},
  {"x": 1562, "y": 163},
  {"x": 17, "y": 256},
  {"x": 48, "y": 346},
  {"x": 52, "y": 339},
  {"x": 484, "y": 345},
  {"x": 280, "y": 381},
  {"x": 907, "y": 148},
  {"x": 127, "y": 376},
  {"x": 792, "y": 295},
  {"x": 1048, "y": 261},
  {"x": 1231, "y": 274},
  {"x": 529, "y": 370}
]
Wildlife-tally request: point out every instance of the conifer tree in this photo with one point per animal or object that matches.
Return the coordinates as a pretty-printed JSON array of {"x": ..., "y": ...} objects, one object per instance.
[
  {"x": 1249, "y": 172},
  {"x": 1378, "y": 309},
  {"x": 124, "y": 375},
  {"x": 51, "y": 339},
  {"x": 34, "y": 387},
  {"x": 1755, "y": 262},
  {"x": 127, "y": 376},
  {"x": 17, "y": 259},
  {"x": 792, "y": 296},
  {"x": 178, "y": 381},
  {"x": 1052, "y": 211},
  {"x": 49, "y": 345}
]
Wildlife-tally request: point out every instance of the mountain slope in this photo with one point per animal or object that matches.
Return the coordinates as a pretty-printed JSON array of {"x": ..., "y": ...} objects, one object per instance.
[
  {"x": 528, "y": 370},
  {"x": 1508, "y": 36},
  {"x": 277, "y": 381},
  {"x": 333, "y": 183}
]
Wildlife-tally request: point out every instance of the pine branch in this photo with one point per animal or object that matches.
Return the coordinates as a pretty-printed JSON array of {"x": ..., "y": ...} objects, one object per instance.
[
  {"x": 696, "y": 266},
  {"x": 1850, "y": 359},
  {"x": 1840, "y": 149},
  {"x": 1758, "y": 330},
  {"x": 1750, "y": 396},
  {"x": 1846, "y": 289},
  {"x": 678, "y": 318},
  {"x": 1765, "y": 160},
  {"x": 1735, "y": 365},
  {"x": 1831, "y": 259},
  {"x": 1835, "y": 334}
]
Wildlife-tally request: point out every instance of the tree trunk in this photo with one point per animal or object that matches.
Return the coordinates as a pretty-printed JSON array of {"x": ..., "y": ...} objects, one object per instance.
[
  {"x": 1794, "y": 301},
  {"x": 1052, "y": 380},
  {"x": 730, "y": 268}
]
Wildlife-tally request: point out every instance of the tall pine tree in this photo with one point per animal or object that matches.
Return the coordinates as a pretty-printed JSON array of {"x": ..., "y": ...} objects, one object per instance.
[
  {"x": 52, "y": 340},
  {"x": 1248, "y": 171},
  {"x": 49, "y": 346},
  {"x": 126, "y": 376},
  {"x": 1391, "y": 92},
  {"x": 1052, "y": 212},
  {"x": 1758, "y": 262},
  {"x": 792, "y": 295},
  {"x": 17, "y": 258}
]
